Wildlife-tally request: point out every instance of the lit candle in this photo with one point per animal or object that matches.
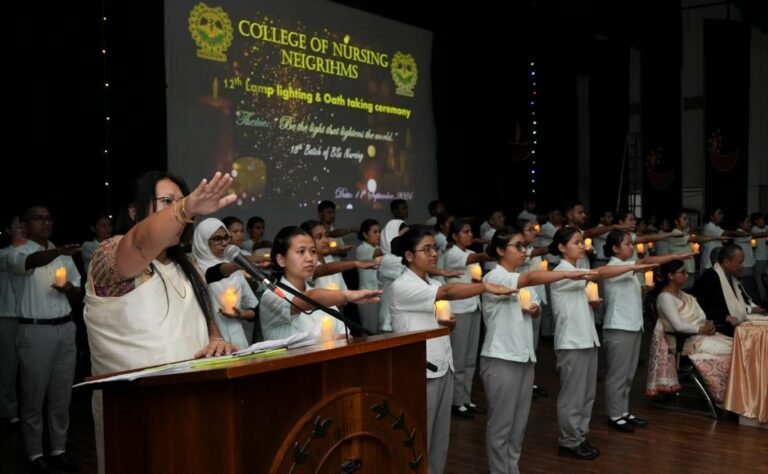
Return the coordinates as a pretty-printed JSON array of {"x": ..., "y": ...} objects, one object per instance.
[
  {"x": 640, "y": 248},
  {"x": 332, "y": 286},
  {"x": 650, "y": 245},
  {"x": 592, "y": 293},
  {"x": 442, "y": 310},
  {"x": 476, "y": 271},
  {"x": 524, "y": 297},
  {"x": 754, "y": 243},
  {"x": 544, "y": 266},
  {"x": 649, "y": 278},
  {"x": 333, "y": 244},
  {"x": 266, "y": 256},
  {"x": 326, "y": 328},
  {"x": 588, "y": 243},
  {"x": 695, "y": 247},
  {"x": 229, "y": 300},
  {"x": 61, "y": 276},
  {"x": 536, "y": 228}
]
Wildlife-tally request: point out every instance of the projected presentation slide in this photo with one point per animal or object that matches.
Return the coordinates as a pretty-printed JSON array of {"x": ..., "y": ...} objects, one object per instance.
[{"x": 301, "y": 101}]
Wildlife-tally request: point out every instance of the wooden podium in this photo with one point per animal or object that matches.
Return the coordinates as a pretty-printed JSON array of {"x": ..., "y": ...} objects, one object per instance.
[{"x": 332, "y": 407}]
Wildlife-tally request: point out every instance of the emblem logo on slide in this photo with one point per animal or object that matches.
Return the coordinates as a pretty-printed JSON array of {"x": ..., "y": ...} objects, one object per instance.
[
  {"x": 405, "y": 73},
  {"x": 211, "y": 30}
]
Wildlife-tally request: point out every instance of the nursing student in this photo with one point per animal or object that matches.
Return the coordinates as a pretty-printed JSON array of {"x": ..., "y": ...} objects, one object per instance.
[
  {"x": 328, "y": 273},
  {"x": 623, "y": 328},
  {"x": 225, "y": 281},
  {"x": 576, "y": 343},
  {"x": 465, "y": 337},
  {"x": 294, "y": 254},
  {"x": 508, "y": 355},
  {"x": 681, "y": 240},
  {"x": 412, "y": 307},
  {"x": 369, "y": 236}
]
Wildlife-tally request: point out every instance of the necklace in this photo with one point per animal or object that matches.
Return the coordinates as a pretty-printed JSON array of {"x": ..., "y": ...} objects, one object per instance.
[{"x": 181, "y": 294}]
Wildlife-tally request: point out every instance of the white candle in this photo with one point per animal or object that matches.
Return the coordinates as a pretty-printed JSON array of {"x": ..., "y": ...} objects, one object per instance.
[
  {"x": 754, "y": 243},
  {"x": 229, "y": 300},
  {"x": 592, "y": 291},
  {"x": 331, "y": 286},
  {"x": 695, "y": 247},
  {"x": 442, "y": 310},
  {"x": 650, "y": 245},
  {"x": 476, "y": 271},
  {"x": 640, "y": 248},
  {"x": 536, "y": 228},
  {"x": 588, "y": 243},
  {"x": 524, "y": 297},
  {"x": 544, "y": 266},
  {"x": 326, "y": 328},
  {"x": 61, "y": 276},
  {"x": 333, "y": 244},
  {"x": 649, "y": 278}
]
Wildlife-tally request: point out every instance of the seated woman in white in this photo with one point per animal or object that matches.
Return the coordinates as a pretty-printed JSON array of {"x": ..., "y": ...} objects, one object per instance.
[
  {"x": 295, "y": 255},
  {"x": 231, "y": 295},
  {"x": 679, "y": 312}
]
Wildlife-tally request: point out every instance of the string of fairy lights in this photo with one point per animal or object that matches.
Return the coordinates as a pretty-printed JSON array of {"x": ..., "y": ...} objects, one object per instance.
[
  {"x": 105, "y": 148},
  {"x": 534, "y": 121}
]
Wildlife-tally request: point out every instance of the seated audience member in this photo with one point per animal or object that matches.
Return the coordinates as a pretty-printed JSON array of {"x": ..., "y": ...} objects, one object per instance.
[
  {"x": 710, "y": 352},
  {"x": 721, "y": 295}
]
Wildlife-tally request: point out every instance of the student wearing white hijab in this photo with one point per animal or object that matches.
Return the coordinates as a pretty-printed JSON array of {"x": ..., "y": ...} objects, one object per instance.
[{"x": 231, "y": 295}]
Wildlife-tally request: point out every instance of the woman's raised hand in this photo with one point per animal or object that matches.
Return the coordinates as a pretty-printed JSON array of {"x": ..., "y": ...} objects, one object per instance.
[{"x": 210, "y": 196}]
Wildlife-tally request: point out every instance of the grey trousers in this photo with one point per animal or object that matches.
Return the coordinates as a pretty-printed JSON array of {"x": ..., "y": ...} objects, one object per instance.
[
  {"x": 465, "y": 339},
  {"x": 47, "y": 357},
  {"x": 536, "y": 326},
  {"x": 369, "y": 316},
  {"x": 547, "y": 319},
  {"x": 439, "y": 392},
  {"x": 508, "y": 390},
  {"x": 622, "y": 351},
  {"x": 9, "y": 365},
  {"x": 578, "y": 379}
]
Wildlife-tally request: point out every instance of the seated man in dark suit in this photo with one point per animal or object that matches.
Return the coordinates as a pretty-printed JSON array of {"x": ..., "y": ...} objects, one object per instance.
[{"x": 720, "y": 294}]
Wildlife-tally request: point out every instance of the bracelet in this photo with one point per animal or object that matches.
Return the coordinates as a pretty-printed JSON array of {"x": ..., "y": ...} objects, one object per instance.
[
  {"x": 219, "y": 339},
  {"x": 181, "y": 214}
]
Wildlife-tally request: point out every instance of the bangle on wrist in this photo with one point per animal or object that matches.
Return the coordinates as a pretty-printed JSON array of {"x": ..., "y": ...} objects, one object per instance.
[
  {"x": 219, "y": 339},
  {"x": 181, "y": 214}
]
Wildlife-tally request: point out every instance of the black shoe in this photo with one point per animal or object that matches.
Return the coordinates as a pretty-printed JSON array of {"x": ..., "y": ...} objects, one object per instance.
[
  {"x": 539, "y": 392},
  {"x": 594, "y": 449},
  {"x": 581, "y": 451},
  {"x": 63, "y": 462},
  {"x": 461, "y": 411},
  {"x": 621, "y": 425},
  {"x": 632, "y": 419},
  {"x": 39, "y": 466},
  {"x": 475, "y": 408}
]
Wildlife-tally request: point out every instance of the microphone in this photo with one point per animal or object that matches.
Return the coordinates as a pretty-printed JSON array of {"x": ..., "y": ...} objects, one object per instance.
[{"x": 234, "y": 255}]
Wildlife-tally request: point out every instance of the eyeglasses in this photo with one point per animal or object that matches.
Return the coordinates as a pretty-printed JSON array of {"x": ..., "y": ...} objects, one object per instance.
[
  {"x": 427, "y": 249},
  {"x": 41, "y": 218},
  {"x": 168, "y": 200},
  {"x": 520, "y": 246},
  {"x": 220, "y": 239}
]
